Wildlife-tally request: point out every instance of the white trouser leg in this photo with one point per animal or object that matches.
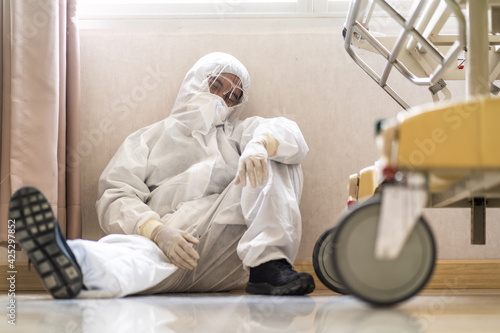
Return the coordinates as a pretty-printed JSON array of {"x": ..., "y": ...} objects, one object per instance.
[
  {"x": 219, "y": 230},
  {"x": 120, "y": 265},
  {"x": 271, "y": 212}
]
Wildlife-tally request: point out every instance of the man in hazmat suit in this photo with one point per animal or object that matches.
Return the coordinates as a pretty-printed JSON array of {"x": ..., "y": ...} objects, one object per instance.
[{"x": 201, "y": 201}]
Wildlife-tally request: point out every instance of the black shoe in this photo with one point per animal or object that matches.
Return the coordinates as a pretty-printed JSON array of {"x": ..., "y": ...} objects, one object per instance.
[
  {"x": 38, "y": 233},
  {"x": 277, "y": 277}
]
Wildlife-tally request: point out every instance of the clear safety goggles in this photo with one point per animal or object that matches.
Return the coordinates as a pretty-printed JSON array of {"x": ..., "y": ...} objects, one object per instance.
[{"x": 227, "y": 86}]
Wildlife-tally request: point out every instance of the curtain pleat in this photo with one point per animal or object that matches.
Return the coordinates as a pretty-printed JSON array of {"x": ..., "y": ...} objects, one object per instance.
[
  {"x": 73, "y": 161},
  {"x": 5, "y": 92}
]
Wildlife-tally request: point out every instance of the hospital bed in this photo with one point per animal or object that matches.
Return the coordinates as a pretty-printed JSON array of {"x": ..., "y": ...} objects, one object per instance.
[{"x": 445, "y": 155}]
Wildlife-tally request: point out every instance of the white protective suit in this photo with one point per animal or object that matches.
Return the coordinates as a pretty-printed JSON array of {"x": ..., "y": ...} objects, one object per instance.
[{"x": 180, "y": 171}]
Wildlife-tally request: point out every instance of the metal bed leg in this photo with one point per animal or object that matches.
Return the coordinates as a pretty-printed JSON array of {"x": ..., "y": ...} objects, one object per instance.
[{"x": 478, "y": 221}]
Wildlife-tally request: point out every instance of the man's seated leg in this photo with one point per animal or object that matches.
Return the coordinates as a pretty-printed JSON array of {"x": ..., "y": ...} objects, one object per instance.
[
  {"x": 272, "y": 239},
  {"x": 219, "y": 229}
]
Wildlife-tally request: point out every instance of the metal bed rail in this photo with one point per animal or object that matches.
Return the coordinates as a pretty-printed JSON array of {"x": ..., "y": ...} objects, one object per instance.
[{"x": 410, "y": 36}]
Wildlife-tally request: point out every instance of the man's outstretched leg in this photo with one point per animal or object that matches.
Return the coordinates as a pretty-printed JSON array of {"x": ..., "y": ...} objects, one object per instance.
[
  {"x": 115, "y": 266},
  {"x": 271, "y": 242},
  {"x": 38, "y": 233}
]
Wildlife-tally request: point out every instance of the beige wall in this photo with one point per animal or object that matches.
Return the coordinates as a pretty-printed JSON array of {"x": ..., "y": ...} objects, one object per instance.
[{"x": 299, "y": 70}]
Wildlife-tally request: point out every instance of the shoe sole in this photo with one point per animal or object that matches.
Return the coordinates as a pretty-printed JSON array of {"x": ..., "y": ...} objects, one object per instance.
[
  {"x": 301, "y": 286},
  {"x": 38, "y": 233}
]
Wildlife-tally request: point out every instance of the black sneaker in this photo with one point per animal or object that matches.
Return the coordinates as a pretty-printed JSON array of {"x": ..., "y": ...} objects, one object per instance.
[
  {"x": 38, "y": 233},
  {"x": 277, "y": 277}
]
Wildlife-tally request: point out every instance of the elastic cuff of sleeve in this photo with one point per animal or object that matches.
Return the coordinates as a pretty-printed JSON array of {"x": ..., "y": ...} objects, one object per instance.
[
  {"x": 148, "y": 227},
  {"x": 270, "y": 143}
]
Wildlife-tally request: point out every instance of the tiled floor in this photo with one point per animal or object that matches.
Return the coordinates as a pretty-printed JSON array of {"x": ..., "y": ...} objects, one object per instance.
[{"x": 432, "y": 311}]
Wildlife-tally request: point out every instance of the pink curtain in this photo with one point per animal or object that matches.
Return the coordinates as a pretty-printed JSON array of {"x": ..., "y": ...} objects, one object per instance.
[{"x": 40, "y": 92}]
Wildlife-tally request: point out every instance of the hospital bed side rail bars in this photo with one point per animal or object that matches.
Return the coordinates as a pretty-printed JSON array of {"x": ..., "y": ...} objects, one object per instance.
[{"x": 353, "y": 26}]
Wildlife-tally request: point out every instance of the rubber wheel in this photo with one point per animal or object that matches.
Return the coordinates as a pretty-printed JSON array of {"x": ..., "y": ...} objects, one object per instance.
[
  {"x": 323, "y": 261},
  {"x": 381, "y": 282}
]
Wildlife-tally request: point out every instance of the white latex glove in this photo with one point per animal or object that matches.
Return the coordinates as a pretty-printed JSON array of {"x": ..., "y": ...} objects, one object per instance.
[
  {"x": 253, "y": 160},
  {"x": 176, "y": 245}
]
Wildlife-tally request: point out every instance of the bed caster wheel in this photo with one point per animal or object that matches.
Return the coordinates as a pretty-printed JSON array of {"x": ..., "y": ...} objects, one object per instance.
[
  {"x": 380, "y": 282},
  {"x": 323, "y": 258}
]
